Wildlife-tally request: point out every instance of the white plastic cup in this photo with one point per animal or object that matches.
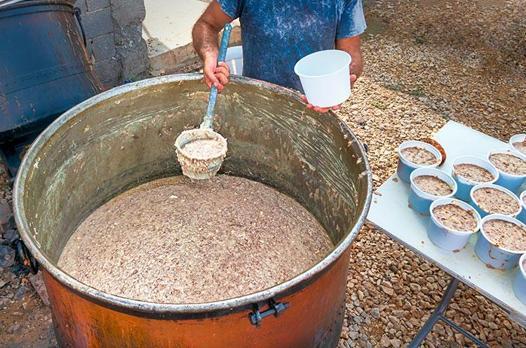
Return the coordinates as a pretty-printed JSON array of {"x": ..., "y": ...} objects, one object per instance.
[
  {"x": 419, "y": 200},
  {"x": 515, "y": 139},
  {"x": 512, "y": 182},
  {"x": 484, "y": 213},
  {"x": 325, "y": 77},
  {"x": 445, "y": 237},
  {"x": 495, "y": 256},
  {"x": 464, "y": 185},
  {"x": 234, "y": 60},
  {"x": 405, "y": 167}
]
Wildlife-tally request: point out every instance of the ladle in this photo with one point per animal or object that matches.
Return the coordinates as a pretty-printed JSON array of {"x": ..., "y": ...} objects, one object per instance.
[{"x": 201, "y": 151}]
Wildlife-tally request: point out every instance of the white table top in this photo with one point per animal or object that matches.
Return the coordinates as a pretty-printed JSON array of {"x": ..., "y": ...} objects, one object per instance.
[{"x": 390, "y": 212}]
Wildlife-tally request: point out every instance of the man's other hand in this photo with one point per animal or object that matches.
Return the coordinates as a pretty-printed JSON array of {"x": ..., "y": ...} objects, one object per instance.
[
  {"x": 354, "y": 77},
  {"x": 215, "y": 74},
  {"x": 317, "y": 108}
]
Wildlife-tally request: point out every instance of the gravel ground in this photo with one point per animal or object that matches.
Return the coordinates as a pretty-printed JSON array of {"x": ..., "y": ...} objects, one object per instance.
[
  {"x": 426, "y": 62},
  {"x": 425, "y": 65}
]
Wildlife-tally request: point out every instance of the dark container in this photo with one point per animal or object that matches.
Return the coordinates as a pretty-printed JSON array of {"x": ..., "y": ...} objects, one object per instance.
[{"x": 44, "y": 66}]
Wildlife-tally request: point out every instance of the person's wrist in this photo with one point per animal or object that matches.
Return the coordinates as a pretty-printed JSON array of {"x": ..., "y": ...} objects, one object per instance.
[
  {"x": 210, "y": 57},
  {"x": 356, "y": 67}
]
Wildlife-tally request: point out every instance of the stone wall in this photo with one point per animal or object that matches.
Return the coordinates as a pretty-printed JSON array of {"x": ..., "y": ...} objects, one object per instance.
[{"x": 114, "y": 36}]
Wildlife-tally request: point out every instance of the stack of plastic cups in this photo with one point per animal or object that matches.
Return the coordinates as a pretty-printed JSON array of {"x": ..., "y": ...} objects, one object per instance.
[{"x": 517, "y": 138}]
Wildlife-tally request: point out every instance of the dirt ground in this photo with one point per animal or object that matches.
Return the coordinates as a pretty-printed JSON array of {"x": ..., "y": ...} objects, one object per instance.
[{"x": 426, "y": 62}]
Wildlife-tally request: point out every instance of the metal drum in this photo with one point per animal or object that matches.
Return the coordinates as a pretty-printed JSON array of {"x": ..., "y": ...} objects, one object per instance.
[
  {"x": 44, "y": 66},
  {"x": 125, "y": 137}
]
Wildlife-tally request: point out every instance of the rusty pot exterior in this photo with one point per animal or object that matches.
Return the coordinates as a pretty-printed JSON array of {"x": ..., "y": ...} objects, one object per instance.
[
  {"x": 313, "y": 319},
  {"x": 124, "y": 137}
]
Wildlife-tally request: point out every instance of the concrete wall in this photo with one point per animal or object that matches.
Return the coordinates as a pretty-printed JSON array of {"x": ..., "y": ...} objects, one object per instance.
[
  {"x": 114, "y": 35},
  {"x": 167, "y": 30}
]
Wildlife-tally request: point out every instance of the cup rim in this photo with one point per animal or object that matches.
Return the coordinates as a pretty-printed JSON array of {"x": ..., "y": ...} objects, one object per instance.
[
  {"x": 466, "y": 160},
  {"x": 432, "y": 172},
  {"x": 308, "y": 56},
  {"x": 461, "y": 204},
  {"x": 505, "y": 218},
  {"x": 421, "y": 144},
  {"x": 496, "y": 187},
  {"x": 508, "y": 152},
  {"x": 522, "y": 199}
]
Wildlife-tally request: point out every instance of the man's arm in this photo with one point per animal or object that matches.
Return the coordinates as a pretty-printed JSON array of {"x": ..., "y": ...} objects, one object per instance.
[
  {"x": 350, "y": 26},
  {"x": 205, "y": 40},
  {"x": 352, "y": 45}
]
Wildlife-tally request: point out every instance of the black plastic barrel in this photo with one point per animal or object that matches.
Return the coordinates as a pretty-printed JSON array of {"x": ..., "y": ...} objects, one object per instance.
[{"x": 44, "y": 66}]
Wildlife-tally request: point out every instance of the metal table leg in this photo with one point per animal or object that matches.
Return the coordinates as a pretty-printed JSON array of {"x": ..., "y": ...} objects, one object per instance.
[{"x": 439, "y": 314}]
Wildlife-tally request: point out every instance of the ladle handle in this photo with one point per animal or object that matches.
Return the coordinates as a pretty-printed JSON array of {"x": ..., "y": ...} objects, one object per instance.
[{"x": 209, "y": 117}]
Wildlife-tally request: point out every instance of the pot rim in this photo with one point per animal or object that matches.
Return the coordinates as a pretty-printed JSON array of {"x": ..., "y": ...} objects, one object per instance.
[{"x": 167, "y": 308}]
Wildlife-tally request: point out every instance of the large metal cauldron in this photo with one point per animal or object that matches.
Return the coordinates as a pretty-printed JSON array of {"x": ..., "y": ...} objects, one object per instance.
[{"x": 124, "y": 137}]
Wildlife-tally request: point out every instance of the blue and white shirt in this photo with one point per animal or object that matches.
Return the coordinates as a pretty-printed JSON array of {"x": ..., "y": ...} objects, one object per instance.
[{"x": 278, "y": 33}]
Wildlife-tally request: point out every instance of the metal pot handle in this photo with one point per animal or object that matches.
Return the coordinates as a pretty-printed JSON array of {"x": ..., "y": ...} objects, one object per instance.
[
  {"x": 76, "y": 11},
  {"x": 25, "y": 257},
  {"x": 274, "y": 308}
]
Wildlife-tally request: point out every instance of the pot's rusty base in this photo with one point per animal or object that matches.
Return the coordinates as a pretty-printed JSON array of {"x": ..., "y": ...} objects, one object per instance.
[{"x": 314, "y": 318}]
